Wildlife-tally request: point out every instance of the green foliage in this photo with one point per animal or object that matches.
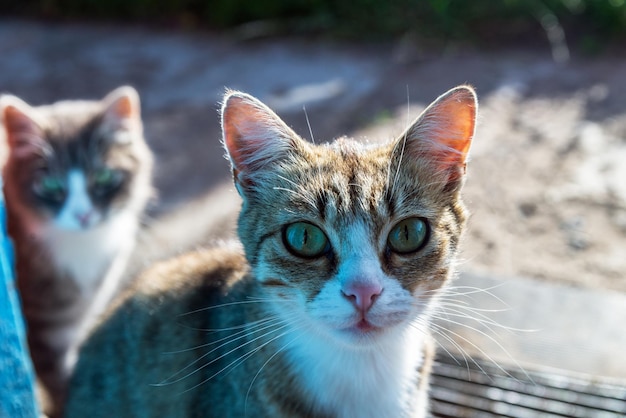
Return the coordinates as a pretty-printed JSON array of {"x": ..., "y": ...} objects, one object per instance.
[{"x": 474, "y": 20}]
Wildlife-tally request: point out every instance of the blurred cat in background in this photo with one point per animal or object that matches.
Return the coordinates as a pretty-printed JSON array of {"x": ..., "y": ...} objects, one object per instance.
[{"x": 76, "y": 181}]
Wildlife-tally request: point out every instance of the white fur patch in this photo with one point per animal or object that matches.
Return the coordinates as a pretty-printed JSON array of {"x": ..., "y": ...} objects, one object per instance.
[
  {"x": 375, "y": 381},
  {"x": 78, "y": 212},
  {"x": 87, "y": 254}
]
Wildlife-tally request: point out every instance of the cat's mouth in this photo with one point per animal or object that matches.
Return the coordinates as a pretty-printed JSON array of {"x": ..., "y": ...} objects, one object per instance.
[{"x": 363, "y": 327}]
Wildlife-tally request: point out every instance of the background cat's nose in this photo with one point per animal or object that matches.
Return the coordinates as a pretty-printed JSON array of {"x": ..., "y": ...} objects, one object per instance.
[
  {"x": 362, "y": 295},
  {"x": 83, "y": 218}
]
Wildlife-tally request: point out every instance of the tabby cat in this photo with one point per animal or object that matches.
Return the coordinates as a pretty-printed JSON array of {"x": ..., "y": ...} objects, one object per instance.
[
  {"x": 77, "y": 178},
  {"x": 325, "y": 311}
]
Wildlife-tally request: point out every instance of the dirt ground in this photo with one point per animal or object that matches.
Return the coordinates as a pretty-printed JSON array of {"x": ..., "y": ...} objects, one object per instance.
[{"x": 547, "y": 177}]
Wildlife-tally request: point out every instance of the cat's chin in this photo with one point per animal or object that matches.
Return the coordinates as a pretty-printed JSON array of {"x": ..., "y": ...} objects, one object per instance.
[{"x": 362, "y": 334}]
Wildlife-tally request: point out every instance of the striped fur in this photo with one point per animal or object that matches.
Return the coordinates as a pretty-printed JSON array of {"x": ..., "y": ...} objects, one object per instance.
[{"x": 264, "y": 332}]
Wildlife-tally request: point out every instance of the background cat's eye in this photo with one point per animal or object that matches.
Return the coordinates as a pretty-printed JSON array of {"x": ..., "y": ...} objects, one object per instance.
[
  {"x": 408, "y": 235},
  {"x": 50, "y": 188},
  {"x": 106, "y": 180},
  {"x": 305, "y": 240}
]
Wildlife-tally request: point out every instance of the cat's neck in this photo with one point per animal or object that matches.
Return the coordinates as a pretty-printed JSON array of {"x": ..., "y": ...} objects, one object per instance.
[
  {"x": 86, "y": 255},
  {"x": 374, "y": 381}
]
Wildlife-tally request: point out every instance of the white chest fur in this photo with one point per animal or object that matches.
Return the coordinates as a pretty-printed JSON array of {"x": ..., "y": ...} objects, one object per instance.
[
  {"x": 372, "y": 382},
  {"x": 95, "y": 259},
  {"x": 87, "y": 255}
]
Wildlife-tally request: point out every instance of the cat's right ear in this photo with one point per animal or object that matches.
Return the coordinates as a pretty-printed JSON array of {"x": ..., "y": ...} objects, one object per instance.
[
  {"x": 24, "y": 134},
  {"x": 122, "y": 114},
  {"x": 253, "y": 135}
]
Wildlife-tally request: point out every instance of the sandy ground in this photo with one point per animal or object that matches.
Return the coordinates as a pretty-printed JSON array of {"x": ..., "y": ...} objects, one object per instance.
[{"x": 547, "y": 178}]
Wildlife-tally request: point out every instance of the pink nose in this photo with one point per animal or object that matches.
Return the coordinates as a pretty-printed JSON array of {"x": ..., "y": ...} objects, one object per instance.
[
  {"x": 362, "y": 295},
  {"x": 83, "y": 218}
]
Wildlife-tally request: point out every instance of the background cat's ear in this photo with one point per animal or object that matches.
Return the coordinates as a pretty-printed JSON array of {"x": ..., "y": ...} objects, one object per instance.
[
  {"x": 24, "y": 134},
  {"x": 253, "y": 135},
  {"x": 122, "y": 114},
  {"x": 442, "y": 134}
]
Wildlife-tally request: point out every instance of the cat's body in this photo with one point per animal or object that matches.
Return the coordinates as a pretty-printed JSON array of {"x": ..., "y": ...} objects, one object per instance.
[
  {"x": 327, "y": 313},
  {"x": 77, "y": 179}
]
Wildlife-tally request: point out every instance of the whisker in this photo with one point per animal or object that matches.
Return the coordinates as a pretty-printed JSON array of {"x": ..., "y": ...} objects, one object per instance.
[
  {"x": 500, "y": 346},
  {"x": 246, "y": 331},
  {"x": 235, "y": 362},
  {"x": 169, "y": 380},
  {"x": 439, "y": 331},
  {"x": 234, "y": 327},
  {"x": 281, "y": 349},
  {"x": 242, "y": 302},
  {"x": 450, "y": 310},
  {"x": 404, "y": 140},
  {"x": 306, "y": 115}
]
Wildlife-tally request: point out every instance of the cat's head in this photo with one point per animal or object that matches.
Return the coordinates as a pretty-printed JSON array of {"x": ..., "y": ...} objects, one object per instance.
[
  {"x": 73, "y": 165},
  {"x": 351, "y": 240}
]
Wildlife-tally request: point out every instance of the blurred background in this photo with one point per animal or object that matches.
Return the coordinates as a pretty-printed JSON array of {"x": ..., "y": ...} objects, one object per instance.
[{"x": 547, "y": 177}]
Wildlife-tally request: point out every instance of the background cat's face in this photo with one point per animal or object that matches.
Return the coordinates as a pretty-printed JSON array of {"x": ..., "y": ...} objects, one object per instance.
[
  {"x": 74, "y": 165},
  {"x": 351, "y": 242}
]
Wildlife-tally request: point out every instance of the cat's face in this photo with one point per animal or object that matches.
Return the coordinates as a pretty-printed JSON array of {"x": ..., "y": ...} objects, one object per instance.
[
  {"x": 351, "y": 241},
  {"x": 74, "y": 165}
]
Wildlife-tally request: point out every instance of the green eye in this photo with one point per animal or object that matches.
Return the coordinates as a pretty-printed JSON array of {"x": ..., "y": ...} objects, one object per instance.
[
  {"x": 408, "y": 235},
  {"x": 305, "y": 239},
  {"x": 49, "y": 187},
  {"x": 51, "y": 184},
  {"x": 106, "y": 181},
  {"x": 103, "y": 177}
]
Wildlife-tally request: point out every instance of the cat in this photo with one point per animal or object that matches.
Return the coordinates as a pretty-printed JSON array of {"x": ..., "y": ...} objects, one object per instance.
[
  {"x": 76, "y": 181},
  {"x": 323, "y": 308}
]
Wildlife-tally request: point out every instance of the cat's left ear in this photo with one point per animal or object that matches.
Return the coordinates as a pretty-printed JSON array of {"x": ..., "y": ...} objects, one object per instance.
[
  {"x": 122, "y": 114},
  {"x": 24, "y": 132},
  {"x": 254, "y": 137},
  {"x": 441, "y": 136}
]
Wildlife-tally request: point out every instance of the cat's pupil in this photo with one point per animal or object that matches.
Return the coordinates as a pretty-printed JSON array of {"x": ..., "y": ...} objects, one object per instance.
[{"x": 408, "y": 235}]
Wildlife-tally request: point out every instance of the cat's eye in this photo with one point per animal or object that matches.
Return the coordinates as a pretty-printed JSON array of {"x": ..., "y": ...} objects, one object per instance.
[
  {"x": 408, "y": 235},
  {"x": 103, "y": 176},
  {"x": 49, "y": 188},
  {"x": 106, "y": 180},
  {"x": 305, "y": 240}
]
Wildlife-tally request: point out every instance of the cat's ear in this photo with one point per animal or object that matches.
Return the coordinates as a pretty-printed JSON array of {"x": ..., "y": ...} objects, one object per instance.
[
  {"x": 24, "y": 133},
  {"x": 122, "y": 114},
  {"x": 254, "y": 136},
  {"x": 441, "y": 136}
]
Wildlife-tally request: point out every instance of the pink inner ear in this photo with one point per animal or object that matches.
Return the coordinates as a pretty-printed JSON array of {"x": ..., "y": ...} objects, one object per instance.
[
  {"x": 443, "y": 133},
  {"x": 235, "y": 119},
  {"x": 23, "y": 134},
  {"x": 122, "y": 114},
  {"x": 124, "y": 108},
  {"x": 459, "y": 120},
  {"x": 253, "y": 134}
]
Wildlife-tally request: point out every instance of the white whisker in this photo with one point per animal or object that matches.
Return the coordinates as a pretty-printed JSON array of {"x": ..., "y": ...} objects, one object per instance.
[
  {"x": 169, "y": 380},
  {"x": 255, "y": 327},
  {"x": 280, "y": 350},
  {"x": 482, "y": 352},
  {"x": 242, "y": 302},
  {"x": 237, "y": 361},
  {"x": 306, "y": 115}
]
